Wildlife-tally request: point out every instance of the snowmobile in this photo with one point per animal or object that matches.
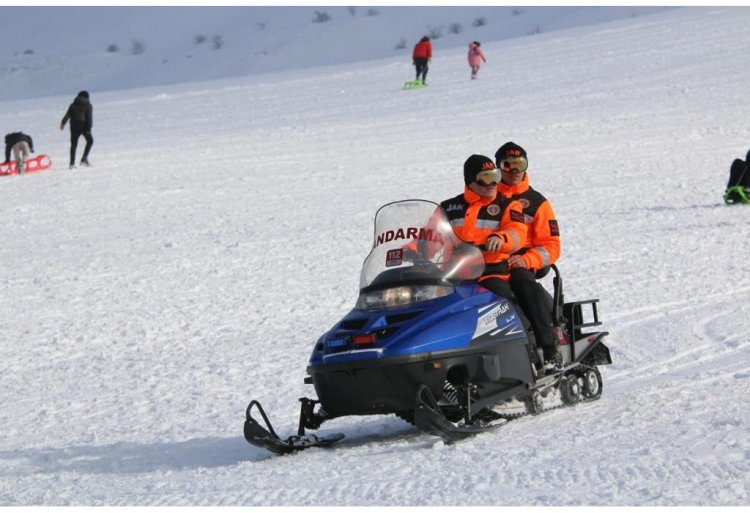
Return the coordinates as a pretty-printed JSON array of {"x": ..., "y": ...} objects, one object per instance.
[{"x": 429, "y": 344}]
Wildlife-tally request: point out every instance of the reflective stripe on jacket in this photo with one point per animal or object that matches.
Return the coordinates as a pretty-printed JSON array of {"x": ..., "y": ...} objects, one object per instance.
[
  {"x": 542, "y": 246},
  {"x": 475, "y": 218}
]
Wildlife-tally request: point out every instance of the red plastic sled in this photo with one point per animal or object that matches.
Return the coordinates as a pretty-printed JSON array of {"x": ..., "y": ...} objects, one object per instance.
[{"x": 34, "y": 164}]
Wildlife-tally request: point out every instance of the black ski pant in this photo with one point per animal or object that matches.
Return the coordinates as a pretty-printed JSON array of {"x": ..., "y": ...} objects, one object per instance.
[
  {"x": 421, "y": 65},
  {"x": 503, "y": 288},
  {"x": 75, "y": 133},
  {"x": 536, "y": 304}
]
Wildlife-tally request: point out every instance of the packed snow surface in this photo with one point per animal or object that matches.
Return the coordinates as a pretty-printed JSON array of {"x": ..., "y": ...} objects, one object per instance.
[{"x": 149, "y": 298}]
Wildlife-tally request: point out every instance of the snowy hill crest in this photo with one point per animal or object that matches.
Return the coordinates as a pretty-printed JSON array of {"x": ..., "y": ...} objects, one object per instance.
[{"x": 110, "y": 48}]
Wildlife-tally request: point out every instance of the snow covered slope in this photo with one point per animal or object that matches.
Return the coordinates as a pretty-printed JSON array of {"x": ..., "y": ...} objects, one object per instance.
[
  {"x": 60, "y": 50},
  {"x": 146, "y": 300}
]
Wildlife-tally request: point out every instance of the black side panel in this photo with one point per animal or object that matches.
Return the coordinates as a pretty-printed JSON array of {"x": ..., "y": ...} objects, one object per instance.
[
  {"x": 366, "y": 390},
  {"x": 384, "y": 386},
  {"x": 598, "y": 354}
]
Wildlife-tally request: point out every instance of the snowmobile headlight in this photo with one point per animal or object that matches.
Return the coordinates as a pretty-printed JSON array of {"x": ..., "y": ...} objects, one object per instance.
[{"x": 401, "y": 296}]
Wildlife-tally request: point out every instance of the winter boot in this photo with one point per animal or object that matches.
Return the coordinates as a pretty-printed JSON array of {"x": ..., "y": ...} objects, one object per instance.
[
  {"x": 535, "y": 360},
  {"x": 553, "y": 359},
  {"x": 85, "y": 162},
  {"x": 21, "y": 166}
]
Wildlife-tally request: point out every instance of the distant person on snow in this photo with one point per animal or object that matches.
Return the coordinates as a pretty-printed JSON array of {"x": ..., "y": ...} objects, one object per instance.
[
  {"x": 21, "y": 145},
  {"x": 476, "y": 58},
  {"x": 81, "y": 116},
  {"x": 540, "y": 249},
  {"x": 738, "y": 187},
  {"x": 421, "y": 56}
]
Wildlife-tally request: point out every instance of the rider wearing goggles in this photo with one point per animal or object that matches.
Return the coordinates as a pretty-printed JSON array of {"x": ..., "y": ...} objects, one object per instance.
[
  {"x": 541, "y": 248},
  {"x": 479, "y": 216},
  {"x": 514, "y": 164},
  {"x": 488, "y": 177},
  {"x": 481, "y": 175}
]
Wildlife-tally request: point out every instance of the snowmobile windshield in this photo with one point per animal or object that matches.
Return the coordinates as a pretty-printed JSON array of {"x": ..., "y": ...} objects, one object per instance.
[{"x": 414, "y": 245}]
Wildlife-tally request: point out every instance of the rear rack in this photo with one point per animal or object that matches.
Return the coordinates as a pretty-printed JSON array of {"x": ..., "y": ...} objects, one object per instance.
[{"x": 574, "y": 314}]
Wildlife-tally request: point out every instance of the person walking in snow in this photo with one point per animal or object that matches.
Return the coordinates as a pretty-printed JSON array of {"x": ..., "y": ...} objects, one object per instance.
[
  {"x": 421, "y": 57},
  {"x": 81, "y": 116},
  {"x": 540, "y": 249},
  {"x": 476, "y": 58},
  {"x": 21, "y": 145}
]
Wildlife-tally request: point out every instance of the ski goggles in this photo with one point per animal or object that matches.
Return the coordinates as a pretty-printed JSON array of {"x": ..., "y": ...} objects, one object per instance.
[
  {"x": 488, "y": 177},
  {"x": 519, "y": 164}
]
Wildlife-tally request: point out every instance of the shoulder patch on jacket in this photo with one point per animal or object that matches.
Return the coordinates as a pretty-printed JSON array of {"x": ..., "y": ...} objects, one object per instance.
[
  {"x": 554, "y": 229},
  {"x": 516, "y": 215}
]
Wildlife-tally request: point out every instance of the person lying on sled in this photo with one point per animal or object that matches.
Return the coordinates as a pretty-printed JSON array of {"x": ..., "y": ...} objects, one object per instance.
[{"x": 738, "y": 187}]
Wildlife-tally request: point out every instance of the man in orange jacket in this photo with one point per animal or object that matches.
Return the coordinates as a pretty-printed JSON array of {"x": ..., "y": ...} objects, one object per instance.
[
  {"x": 482, "y": 217},
  {"x": 539, "y": 250}
]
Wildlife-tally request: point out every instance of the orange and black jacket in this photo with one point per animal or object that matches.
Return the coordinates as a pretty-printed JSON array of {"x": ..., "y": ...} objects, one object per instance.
[
  {"x": 475, "y": 218},
  {"x": 542, "y": 245}
]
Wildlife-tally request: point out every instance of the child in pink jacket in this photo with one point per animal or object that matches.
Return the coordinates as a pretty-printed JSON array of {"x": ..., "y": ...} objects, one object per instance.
[{"x": 476, "y": 57}]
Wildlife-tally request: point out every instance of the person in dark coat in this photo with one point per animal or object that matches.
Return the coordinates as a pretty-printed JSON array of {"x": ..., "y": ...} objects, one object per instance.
[
  {"x": 21, "y": 145},
  {"x": 738, "y": 187},
  {"x": 81, "y": 116}
]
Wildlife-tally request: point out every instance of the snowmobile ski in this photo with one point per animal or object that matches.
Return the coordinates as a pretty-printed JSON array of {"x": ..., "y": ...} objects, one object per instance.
[
  {"x": 429, "y": 418},
  {"x": 267, "y": 438}
]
